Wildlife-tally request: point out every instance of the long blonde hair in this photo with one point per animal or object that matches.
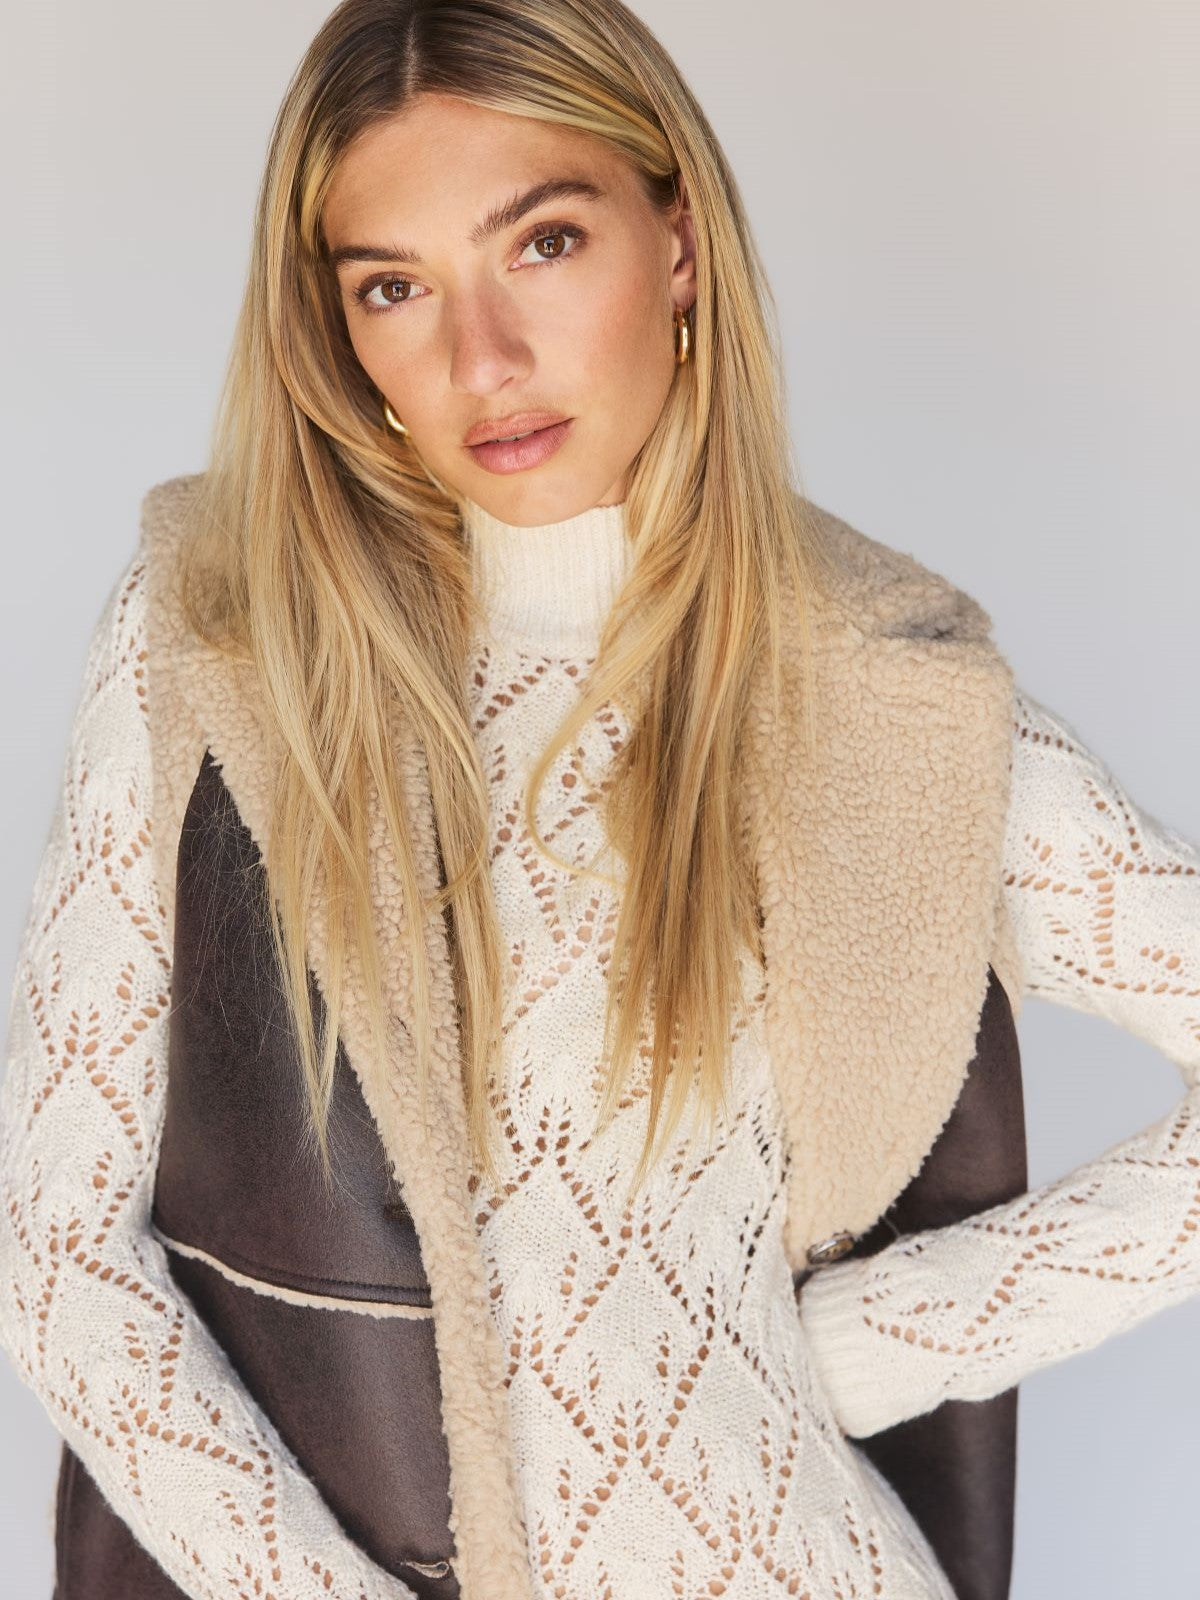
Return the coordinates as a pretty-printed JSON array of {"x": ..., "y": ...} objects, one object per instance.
[{"x": 322, "y": 551}]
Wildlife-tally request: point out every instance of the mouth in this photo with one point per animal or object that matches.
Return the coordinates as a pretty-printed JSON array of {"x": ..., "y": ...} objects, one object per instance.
[
  {"x": 521, "y": 448},
  {"x": 515, "y": 426}
]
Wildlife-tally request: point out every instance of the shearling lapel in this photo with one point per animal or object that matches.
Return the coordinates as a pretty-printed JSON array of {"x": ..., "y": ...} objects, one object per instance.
[
  {"x": 199, "y": 699},
  {"x": 879, "y": 875}
]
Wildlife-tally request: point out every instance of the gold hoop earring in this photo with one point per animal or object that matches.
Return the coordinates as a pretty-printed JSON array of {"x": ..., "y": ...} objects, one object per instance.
[
  {"x": 391, "y": 420},
  {"x": 683, "y": 337}
]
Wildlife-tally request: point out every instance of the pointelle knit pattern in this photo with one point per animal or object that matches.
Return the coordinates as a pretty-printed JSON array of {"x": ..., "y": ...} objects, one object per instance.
[
  {"x": 670, "y": 1434},
  {"x": 683, "y": 1424}
]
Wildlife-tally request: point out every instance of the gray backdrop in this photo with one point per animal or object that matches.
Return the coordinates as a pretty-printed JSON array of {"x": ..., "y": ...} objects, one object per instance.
[{"x": 982, "y": 232}]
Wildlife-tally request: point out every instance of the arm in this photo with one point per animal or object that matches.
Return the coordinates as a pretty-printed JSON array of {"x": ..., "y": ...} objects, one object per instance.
[
  {"x": 1105, "y": 903},
  {"x": 89, "y": 1314}
]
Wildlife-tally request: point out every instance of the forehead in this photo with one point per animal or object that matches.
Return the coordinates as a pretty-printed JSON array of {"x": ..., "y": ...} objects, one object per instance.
[{"x": 433, "y": 169}]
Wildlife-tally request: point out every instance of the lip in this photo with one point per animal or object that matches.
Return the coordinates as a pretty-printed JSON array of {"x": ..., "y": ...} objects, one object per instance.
[
  {"x": 505, "y": 427},
  {"x": 518, "y": 455}
]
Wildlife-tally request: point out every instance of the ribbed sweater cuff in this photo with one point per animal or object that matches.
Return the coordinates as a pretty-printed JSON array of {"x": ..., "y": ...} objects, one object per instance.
[{"x": 867, "y": 1388}]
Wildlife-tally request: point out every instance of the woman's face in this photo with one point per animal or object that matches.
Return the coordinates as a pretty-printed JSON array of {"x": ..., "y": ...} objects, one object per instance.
[{"x": 465, "y": 317}]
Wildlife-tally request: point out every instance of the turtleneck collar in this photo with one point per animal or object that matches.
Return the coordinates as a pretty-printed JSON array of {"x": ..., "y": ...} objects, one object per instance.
[{"x": 548, "y": 588}]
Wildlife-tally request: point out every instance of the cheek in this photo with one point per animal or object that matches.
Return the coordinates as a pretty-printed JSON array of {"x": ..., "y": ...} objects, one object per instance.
[
  {"x": 628, "y": 334},
  {"x": 370, "y": 349}
]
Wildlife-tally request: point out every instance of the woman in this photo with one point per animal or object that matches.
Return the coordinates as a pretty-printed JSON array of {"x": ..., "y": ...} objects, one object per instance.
[{"x": 488, "y": 760}]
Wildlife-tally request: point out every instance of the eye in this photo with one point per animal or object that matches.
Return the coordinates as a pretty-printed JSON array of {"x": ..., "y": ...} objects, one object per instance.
[
  {"x": 556, "y": 230},
  {"x": 559, "y": 230},
  {"x": 364, "y": 291}
]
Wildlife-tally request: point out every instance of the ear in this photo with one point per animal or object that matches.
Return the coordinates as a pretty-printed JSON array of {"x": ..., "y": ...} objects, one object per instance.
[{"x": 682, "y": 237}]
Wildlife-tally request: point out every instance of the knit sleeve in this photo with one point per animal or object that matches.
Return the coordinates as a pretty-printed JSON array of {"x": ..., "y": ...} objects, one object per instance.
[
  {"x": 1105, "y": 901},
  {"x": 90, "y": 1316}
]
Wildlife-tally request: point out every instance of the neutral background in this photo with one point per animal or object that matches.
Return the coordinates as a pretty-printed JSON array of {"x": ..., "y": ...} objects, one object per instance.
[{"x": 982, "y": 230}]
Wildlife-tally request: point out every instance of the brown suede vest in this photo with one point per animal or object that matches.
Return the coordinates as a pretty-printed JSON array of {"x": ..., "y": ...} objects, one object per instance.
[{"x": 322, "y": 1302}]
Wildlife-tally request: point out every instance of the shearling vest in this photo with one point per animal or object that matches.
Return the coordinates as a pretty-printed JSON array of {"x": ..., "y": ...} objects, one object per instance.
[{"x": 357, "y": 1316}]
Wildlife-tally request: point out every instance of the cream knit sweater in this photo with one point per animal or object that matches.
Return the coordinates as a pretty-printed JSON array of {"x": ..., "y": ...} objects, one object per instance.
[{"x": 683, "y": 1426}]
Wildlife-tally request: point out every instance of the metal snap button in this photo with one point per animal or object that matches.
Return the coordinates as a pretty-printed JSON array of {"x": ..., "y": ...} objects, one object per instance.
[{"x": 829, "y": 1249}]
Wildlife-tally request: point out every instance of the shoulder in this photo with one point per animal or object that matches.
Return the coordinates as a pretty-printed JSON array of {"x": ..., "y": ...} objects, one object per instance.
[
  {"x": 165, "y": 508},
  {"x": 1063, "y": 783},
  {"x": 886, "y": 592},
  {"x": 1059, "y": 781},
  {"x": 1051, "y": 741}
]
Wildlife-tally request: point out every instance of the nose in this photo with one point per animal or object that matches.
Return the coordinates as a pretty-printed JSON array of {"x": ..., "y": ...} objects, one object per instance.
[{"x": 487, "y": 348}]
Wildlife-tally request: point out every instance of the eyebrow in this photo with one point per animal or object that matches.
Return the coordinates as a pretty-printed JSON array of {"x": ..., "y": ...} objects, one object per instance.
[{"x": 497, "y": 220}]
